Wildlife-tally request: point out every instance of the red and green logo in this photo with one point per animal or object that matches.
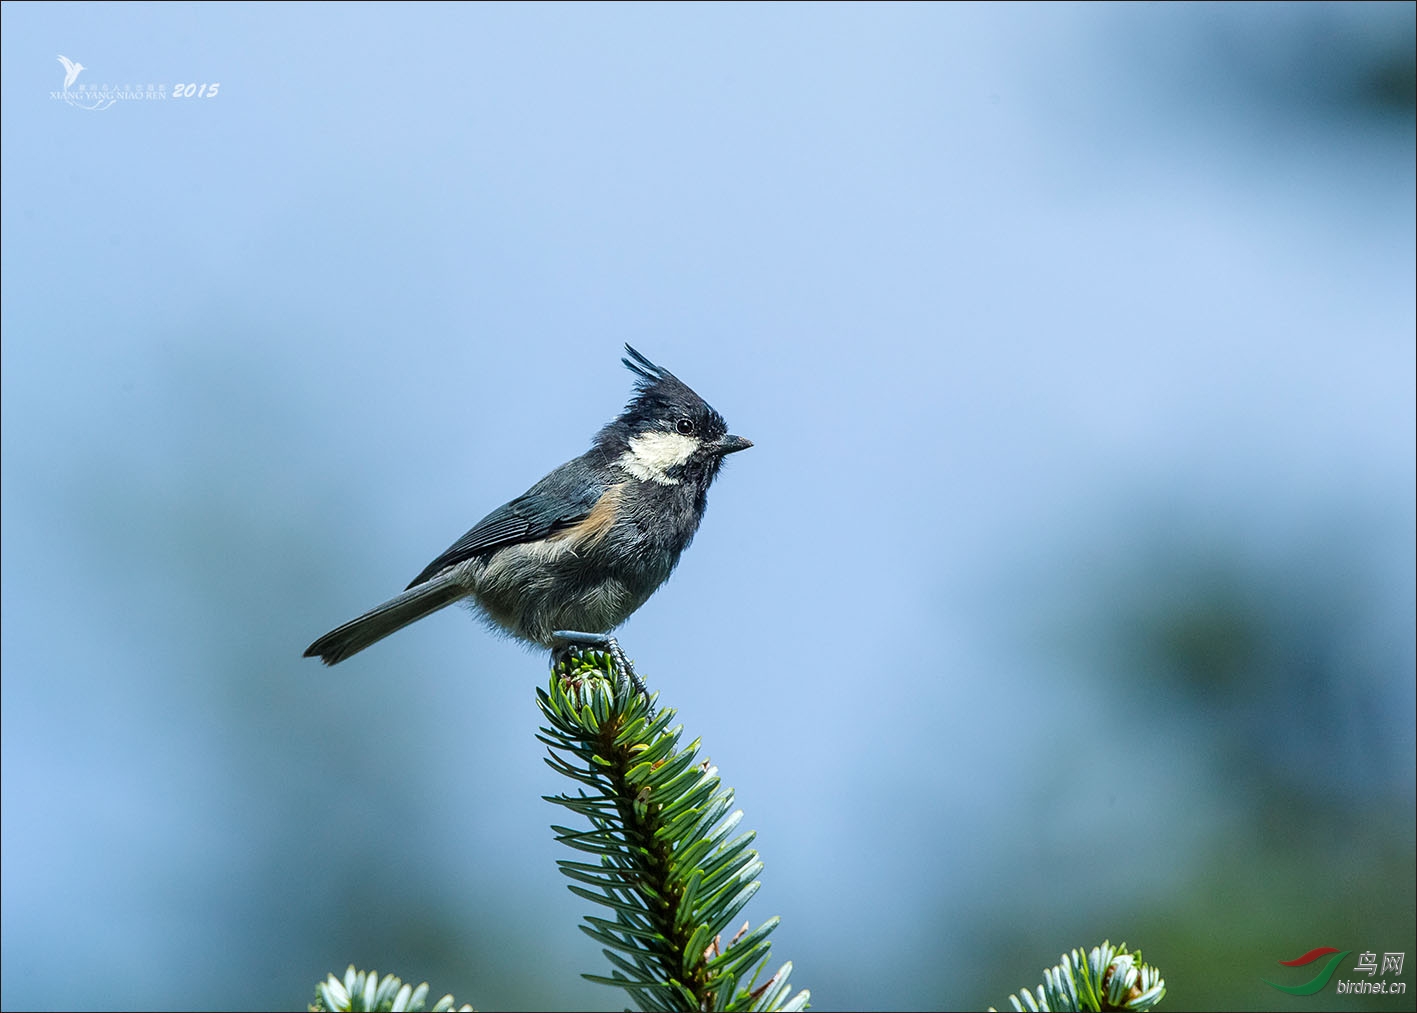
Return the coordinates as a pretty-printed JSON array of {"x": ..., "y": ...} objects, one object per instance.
[{"x": 1319, "y": 980}]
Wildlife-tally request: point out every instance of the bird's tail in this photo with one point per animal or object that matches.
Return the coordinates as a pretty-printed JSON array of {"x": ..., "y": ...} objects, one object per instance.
[{"x": 380, "y": 621}]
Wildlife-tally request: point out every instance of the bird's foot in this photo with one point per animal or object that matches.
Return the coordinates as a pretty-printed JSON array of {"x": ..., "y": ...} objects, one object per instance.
[{"x": 564, "y": 640}]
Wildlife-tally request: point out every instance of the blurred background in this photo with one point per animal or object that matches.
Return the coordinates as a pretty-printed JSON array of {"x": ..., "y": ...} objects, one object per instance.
[{"x": 1068, "y": 593}]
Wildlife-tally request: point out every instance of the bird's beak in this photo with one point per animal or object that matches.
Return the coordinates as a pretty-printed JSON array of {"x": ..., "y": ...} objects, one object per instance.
[{"x": 731, "y": 444}]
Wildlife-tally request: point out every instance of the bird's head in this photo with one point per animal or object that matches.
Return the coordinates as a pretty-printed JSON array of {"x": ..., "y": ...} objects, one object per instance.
[{"x": 667, "y": 433}]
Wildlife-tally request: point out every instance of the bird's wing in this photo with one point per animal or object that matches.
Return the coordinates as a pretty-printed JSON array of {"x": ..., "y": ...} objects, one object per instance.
[
  {"x": 559, "y": 500},
  {"x": 68, "y": 64}
]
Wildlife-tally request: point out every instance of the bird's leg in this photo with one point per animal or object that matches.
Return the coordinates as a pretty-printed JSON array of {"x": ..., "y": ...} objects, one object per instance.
[{"x": 565, "y": 639}]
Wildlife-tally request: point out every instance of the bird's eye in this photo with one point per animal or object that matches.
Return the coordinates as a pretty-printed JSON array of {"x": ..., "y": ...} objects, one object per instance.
[{"x": 685, "y": 427}]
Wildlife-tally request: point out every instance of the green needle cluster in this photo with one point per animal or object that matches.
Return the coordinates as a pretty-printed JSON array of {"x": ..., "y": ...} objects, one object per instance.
[
  {"x": 365, "y": 991},
  {"x": 1106, "y": 978},
  {"x": 667, "y": 868}
]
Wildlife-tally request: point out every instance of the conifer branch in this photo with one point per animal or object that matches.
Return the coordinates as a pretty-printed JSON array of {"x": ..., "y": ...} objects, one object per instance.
[{"x": 665, "y": 862}]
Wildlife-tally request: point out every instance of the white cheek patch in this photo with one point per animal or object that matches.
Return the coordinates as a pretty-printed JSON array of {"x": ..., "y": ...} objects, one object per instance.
[{"x": 652, "y": 455}]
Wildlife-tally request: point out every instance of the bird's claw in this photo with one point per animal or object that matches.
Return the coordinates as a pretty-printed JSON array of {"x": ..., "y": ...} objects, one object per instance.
[{"x": 564, "y": 640}]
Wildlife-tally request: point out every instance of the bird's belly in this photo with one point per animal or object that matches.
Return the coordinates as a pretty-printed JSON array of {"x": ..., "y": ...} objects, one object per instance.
[{"x": 534, "y": 589}]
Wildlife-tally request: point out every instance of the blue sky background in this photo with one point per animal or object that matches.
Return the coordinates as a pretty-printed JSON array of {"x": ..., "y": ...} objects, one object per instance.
[{"x": 1068, "y": 592}]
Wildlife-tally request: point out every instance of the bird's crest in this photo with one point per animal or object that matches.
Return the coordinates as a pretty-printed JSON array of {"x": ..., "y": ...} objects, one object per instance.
[
  {"x": 647, "y": 372},
  {"x": 655, "y": 384}
]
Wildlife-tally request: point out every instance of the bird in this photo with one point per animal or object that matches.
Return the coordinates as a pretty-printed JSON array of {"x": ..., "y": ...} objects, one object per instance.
[
  {"x": 574, "y": 556},
  {"x": 71, "y": 71}
]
